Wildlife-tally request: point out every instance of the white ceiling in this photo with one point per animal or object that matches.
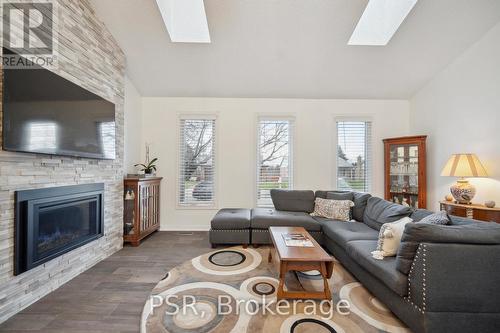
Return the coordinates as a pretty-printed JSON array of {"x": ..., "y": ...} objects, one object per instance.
[{"x": 293, "y": 48}]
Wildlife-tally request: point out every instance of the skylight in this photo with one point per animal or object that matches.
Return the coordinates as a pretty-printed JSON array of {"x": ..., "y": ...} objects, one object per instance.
[
  {"x": 185, "y": 20},
  {"x": 380, "y": 21}
]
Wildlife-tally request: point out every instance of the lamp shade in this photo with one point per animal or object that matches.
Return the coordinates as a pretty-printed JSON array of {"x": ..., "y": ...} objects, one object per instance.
[{"x": 464, "y": 165}]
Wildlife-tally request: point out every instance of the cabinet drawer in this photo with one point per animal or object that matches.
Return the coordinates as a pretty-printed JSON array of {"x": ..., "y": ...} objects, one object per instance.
[
  {"x": 457, "y": 211},
  {"x": 486, "y": 215}
]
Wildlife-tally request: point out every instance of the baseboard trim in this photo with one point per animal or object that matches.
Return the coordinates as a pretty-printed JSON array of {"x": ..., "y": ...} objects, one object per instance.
[{"x": 186, "y": 228}]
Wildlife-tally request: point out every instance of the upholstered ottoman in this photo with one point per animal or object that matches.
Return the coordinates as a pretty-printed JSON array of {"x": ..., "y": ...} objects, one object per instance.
[{"x": 230, "y": 226}]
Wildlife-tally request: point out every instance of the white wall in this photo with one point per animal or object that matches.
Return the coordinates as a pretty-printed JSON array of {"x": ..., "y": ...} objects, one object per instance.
[
  {"x": 313, "y": 152},
  {"x": 460, "y": 111},
  {"x": 133, "y": 127}
]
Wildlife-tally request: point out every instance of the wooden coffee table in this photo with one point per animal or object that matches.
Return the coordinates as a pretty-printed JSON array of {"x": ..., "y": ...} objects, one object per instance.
[{"x": 300, "y": 259}]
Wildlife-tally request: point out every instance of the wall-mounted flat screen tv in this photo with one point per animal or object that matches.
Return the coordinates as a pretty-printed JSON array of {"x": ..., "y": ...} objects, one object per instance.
[{"x": 47, "y": 114}]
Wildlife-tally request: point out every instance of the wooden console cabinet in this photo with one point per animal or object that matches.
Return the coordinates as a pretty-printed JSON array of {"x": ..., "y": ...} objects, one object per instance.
[
  {"x": 141, "y": 208},
  {"x": 473, "y": 211}
]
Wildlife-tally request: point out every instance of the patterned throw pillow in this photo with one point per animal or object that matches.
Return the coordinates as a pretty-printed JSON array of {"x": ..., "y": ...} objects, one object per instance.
[
  {"x": 440, "y": 218},
  {"x": 336, "y": 195},
  {"x": 389, "y": 238},
  {"x": 332, "y": 209}
]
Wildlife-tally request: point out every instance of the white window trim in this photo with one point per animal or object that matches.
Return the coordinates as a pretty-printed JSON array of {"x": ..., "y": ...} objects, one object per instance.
[
  {"x": 365, "y": 118},
  {"x": 205, "y": 116},
  {"x": 272, "y": 116}
]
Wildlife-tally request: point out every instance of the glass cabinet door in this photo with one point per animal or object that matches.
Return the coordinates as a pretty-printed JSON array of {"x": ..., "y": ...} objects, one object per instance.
[
  {"x": 129, "y": 211},
  {"x": 403, "y": 174}
]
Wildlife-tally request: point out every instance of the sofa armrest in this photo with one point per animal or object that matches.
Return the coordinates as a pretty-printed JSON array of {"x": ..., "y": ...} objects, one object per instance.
[{"x": 449, "y": 277}]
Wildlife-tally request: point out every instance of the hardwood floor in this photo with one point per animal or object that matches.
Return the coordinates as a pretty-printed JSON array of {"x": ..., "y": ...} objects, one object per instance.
[{"x": 109, "y": 296}]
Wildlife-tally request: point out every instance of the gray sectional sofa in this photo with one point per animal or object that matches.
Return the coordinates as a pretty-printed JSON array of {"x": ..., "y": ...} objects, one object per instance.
[{"x": 443, "y": 279}]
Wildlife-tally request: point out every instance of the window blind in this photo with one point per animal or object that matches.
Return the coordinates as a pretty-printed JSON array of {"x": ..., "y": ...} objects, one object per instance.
[
  {"x": 354, "y": 155},
  {"x": 196, "y": 183},
  {"x": 274, "y": 158}
]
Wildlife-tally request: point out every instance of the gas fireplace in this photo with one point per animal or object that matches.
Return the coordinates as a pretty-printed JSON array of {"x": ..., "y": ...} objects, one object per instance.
[{"x": 53, "y": 221}]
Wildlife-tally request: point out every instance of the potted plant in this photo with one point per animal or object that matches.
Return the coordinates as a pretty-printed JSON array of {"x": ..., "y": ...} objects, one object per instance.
[{"x": 148, "y": 168}]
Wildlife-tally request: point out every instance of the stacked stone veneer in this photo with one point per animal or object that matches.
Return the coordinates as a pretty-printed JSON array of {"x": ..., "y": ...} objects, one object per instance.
[{"x": 87, "y": 55}]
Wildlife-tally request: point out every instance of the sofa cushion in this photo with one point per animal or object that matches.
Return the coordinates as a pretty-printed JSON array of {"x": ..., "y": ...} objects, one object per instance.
[
  {"x": 360, "y": 202},
  {"x": 322, "y": 219},
  {"x": 416, "y": 233},
  {"x": 343, "y": 232},
  {"x": 231, "y": 218},
  {"x": 293, "y": 200},
  {"x": 385, "y": 270},
  {"x": 263, "y": 218},
  {"x": 337, "y": 195},
  {"x": 379, "y": 211},
  {"x": 458, "y": 220},
  {"x": 419, "y": 214}
]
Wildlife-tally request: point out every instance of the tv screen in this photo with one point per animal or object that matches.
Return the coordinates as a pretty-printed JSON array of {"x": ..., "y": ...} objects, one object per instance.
[{"x": 45, "y": 113}]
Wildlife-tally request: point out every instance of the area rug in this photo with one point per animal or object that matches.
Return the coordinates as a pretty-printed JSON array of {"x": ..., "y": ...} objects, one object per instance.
[{"x": 234, "y": 290}]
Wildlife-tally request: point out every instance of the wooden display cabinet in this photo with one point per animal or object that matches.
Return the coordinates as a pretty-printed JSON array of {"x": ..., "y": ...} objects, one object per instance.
[
  {"x": 405, "y": 170},
  {"x": 141, "y": 208}
]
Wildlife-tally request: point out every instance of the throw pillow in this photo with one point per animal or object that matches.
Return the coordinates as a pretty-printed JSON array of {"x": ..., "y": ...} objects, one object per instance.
[
  {"x": 440, "y": 218},
  {"x": 360, "y": 202},
  {"x": 389, "y": 238},
  {"x": 334, "y": 195},
  {"x": 332, "y": 209}
]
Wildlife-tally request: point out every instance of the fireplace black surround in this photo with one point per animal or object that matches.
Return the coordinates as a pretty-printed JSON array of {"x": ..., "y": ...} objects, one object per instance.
[{"x": 53, "y": 221}]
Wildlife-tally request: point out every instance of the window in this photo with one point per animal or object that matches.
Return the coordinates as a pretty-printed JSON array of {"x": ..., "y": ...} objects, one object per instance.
[
  {"x": 274, "y": 158},
  {"x": 354, "y": 155},
  {"x": 197, "y": 162}
]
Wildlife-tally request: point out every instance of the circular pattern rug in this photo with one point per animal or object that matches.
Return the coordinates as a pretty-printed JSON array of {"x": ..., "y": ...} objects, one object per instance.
[{"x": 233, "y": 290}]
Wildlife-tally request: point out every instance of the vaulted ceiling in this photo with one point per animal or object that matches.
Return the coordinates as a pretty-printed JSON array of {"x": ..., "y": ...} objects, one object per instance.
[{"x": 293, "y": 48}]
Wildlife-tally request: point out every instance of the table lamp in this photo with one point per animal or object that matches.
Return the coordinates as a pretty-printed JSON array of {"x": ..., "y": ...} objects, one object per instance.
[{"x": 463, "y": 165}]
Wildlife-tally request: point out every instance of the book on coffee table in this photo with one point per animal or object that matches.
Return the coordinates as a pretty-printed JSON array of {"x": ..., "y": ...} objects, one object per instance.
[{"x": 297, "y": 240}]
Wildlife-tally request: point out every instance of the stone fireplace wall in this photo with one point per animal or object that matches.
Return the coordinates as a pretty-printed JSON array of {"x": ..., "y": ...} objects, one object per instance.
[{"x": 87, "y": 55}]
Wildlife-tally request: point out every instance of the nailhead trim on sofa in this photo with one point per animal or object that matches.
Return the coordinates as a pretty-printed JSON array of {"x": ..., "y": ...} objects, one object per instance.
[
  {"x": 410, "y": 275},
  {"x": 423, "y": 280}
]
